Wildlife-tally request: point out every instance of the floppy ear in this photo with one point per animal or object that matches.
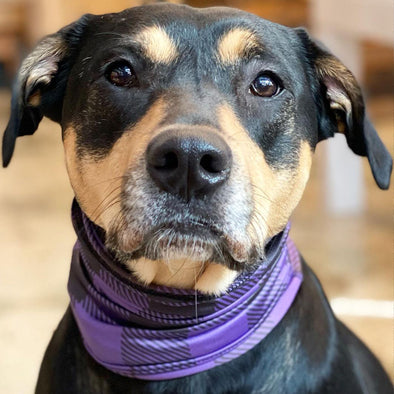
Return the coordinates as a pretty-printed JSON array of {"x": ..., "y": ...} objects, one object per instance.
[
  {"x": 39, "y": 88},
  {"x": 341, "y": 109}
]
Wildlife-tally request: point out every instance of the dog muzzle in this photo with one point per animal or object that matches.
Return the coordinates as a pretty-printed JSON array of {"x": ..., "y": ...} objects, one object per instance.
[{"x": 157, "y": 332}]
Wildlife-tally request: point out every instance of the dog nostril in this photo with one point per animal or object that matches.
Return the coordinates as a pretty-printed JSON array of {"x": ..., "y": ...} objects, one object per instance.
[
  {"x": 211, "y": 164},
  {"x": 168, "y": 161}
]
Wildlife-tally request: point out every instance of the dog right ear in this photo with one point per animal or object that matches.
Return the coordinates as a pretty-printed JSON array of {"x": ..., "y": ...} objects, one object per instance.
[
  {"x": 341, "y": 108},
  {"x": 40, "y": 85}
]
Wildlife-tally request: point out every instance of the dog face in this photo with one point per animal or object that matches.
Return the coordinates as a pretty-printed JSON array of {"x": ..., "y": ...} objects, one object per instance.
[{"x": 188, "y": 133}]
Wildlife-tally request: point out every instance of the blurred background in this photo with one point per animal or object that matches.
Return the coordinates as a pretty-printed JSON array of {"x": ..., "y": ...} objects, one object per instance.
[{"x": 343, "y": 225}]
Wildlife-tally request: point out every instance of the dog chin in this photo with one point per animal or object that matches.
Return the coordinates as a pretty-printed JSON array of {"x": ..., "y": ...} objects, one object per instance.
[
  {"x": 168, "y": 245},
  {"x": 165, "y": 248},
  {"x": 179, "y": 248}
]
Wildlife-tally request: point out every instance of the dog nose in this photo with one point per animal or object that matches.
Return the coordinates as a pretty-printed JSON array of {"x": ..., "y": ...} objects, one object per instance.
[{"x": 188, "y": 164}]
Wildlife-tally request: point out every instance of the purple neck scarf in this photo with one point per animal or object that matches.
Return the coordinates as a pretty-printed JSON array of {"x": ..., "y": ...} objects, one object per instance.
[{"x": 158, "y": 332}]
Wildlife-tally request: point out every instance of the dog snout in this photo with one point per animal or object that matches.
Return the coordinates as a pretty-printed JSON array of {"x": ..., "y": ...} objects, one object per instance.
[{"x": 189, "y": 163}]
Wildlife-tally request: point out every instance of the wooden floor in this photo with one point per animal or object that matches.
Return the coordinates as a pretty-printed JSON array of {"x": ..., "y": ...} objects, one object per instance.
[{"x": 352, "y": 255}]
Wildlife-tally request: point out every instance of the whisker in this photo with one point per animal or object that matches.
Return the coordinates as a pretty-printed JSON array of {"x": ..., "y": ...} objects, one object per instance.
[
  {"x": 201, "y": 270},
  {"x": 104, "y": 201},
  {"x": 110, "y": 180},
  {"x": 261, "y": 193},
  {"x": 115, "y": 200},
  {"x": 111, "y": 33}
]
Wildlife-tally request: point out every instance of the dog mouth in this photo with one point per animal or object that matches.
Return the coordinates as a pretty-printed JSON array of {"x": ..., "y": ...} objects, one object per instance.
[{"x": 193, "y": 239}]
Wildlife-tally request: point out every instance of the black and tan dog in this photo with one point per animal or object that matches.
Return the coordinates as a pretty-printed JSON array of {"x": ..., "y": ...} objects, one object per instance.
[{"x": 204, "y": 121}]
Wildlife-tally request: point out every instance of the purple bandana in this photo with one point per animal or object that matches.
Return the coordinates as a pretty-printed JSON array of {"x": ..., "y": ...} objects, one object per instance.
[{"x": 158, "y": 332}]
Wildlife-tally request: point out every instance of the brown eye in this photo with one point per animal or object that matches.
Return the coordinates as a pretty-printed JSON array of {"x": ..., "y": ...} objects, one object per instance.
[
  {"x": 121, "y": 74},
  {"x": 265, "y": 86}
]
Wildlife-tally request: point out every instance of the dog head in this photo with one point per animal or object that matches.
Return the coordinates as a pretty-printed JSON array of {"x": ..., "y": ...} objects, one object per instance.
[{"x": 189, "y": 134}]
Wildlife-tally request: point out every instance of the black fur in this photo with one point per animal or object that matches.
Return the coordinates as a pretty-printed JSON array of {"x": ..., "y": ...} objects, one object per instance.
[{"x": 310, "y": 351}]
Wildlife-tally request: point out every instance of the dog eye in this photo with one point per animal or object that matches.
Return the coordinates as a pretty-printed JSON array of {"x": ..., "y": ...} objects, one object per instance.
[
  {"x": 265, "y": 85},
  {"x": 121, "y": 74}
]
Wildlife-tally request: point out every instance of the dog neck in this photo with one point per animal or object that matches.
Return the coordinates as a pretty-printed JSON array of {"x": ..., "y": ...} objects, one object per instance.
[
  {"x": 208, "y": 278},
  {"x": 156, "y": 332}
]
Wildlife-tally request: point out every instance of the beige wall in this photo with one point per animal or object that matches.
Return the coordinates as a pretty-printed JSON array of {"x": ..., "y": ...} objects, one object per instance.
[{"x": 46, "y": 16}]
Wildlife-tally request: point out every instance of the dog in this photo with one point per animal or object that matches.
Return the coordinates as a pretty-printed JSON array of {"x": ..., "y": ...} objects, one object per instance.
[{"x": 188, "y": 137}]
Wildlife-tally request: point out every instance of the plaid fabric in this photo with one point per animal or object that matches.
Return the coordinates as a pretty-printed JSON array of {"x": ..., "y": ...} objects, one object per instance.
[{"x": 158, "y": 332}]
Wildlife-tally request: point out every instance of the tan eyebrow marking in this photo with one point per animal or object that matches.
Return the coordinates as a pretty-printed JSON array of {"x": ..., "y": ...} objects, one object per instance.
[
  {"x": 235, "y": 44},
  {"x": 157, "y": 45}
]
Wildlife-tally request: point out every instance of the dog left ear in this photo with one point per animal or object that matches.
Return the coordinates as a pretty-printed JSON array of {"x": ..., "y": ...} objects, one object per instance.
[
  {"x": 40, "y": 85},
  {"x": 341, "y": 109}
]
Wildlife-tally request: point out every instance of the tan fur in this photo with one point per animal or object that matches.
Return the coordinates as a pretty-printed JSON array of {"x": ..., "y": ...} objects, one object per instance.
[
  {"x": 97, "y": 183},
  {"x": 329, "y": 66},
  {"x": 157, "y": 45},
  {"x": 144, "y": 269},
  {"x": 184, "y": 273},
  {"x": 215, "y": 280},
  {"x": 235, "y": 45},
  {"x": 342, "y": 87},
  {"x": 35, "y": 99},
  {"x": 42, "y": 64},
  {"x": 180, "y": 273},
  {"x": 275, "y": 193}
]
